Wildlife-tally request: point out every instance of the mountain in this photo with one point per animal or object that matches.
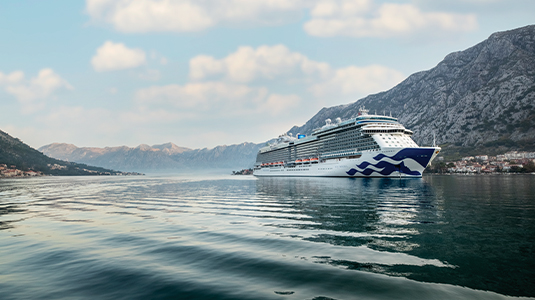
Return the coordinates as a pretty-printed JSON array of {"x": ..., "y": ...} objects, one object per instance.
[
  {"x": 237, "y": 156},
  {"x": 14, "y": 152},
  {"x": 171, "y": 148},
  {"x": 157, "y": 157},
  {"x": 478, "y": 100}
]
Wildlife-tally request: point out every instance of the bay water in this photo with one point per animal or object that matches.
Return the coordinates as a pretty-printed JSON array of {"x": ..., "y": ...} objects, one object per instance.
[{"x": 241, "y": 237}]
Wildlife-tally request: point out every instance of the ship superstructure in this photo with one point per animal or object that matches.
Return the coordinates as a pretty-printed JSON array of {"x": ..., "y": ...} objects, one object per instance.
[{"x": 368, "y": 145}]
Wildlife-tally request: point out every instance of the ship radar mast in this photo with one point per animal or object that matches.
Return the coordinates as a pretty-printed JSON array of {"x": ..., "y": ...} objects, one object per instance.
[{"x": 363, "y": 111}]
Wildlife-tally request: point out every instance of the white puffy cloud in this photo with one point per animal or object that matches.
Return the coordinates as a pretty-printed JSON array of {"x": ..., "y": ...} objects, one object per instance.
[
  {"x": 361, "y": 18},
  {"x": 12, "y": 78},
  {"x": 188, "y": 15},
  {"x": 266, "y": 62},
  {"x": 345, "y": 8},
  {"x": 202, "y": 66},
  {"x": 355, "y": 81},
  {"x": 116, "y": 56},
  {"x": 33, "y": 93},
  {"x": 354, "y": 18}
]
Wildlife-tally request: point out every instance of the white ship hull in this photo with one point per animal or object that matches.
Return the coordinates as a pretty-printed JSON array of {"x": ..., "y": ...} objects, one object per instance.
[{"x": 394, "y": 162}]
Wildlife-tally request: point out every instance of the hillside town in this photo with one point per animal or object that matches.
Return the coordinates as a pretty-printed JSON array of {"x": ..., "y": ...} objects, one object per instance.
[
  {"x": 12, "y": 171},
  {"x": 510, "y": 162}
]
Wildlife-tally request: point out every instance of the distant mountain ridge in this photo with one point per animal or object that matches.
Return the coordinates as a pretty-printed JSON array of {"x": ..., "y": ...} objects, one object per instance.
[
  {"x": 157, "y": 157},
  {"x": 482, "y": 98}
]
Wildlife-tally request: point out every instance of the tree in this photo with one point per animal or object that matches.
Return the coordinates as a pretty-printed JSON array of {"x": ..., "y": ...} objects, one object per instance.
[{"x": 530, "y": 167}]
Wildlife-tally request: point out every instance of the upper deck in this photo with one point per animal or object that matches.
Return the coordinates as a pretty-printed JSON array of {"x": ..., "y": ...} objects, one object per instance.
[
  {"x": 362, "y": 118},
  {"x": 365, "y": 123}
]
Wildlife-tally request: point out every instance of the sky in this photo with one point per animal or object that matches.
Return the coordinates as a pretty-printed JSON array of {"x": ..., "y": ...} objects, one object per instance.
[{"x": 202, "y": 73}]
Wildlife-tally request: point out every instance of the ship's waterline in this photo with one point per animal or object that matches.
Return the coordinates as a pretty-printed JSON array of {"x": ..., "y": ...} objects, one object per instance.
[{"x": 365, "y": 146}]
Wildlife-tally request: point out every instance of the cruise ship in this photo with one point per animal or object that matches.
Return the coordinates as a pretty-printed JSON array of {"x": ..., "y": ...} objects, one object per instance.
[{"x": 369, "y": 145}]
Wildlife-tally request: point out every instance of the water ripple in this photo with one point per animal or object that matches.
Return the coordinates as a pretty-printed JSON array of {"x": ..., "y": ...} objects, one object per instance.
[{"x": 270, "y": 238}]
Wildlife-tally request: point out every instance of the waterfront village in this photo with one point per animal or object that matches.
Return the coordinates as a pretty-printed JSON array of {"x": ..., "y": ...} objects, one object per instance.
[
  {"x": 8, "y": 171},
  {"x": 510, "y": 162},
  {"x": 12, "y": 171}
]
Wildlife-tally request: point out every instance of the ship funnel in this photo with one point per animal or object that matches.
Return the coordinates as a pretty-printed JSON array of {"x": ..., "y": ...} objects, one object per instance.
[
  {"x": 328, "y": 122},
  {"x": 338, "y": 120}
]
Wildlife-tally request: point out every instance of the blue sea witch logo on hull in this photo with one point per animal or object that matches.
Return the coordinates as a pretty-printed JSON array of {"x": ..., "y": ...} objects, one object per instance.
[{"x": 422, "y": 156}]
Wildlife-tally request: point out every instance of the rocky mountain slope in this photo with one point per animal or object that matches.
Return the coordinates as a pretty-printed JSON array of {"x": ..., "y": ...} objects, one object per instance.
[
  {"x": 479, "y": 99},
  {"x": 236, "y": 157},
  {"x": 14, "y": 152},
  {"x": 157, "y": 157}
]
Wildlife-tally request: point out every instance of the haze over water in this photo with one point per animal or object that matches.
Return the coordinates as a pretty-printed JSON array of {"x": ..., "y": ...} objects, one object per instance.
[{"x": 240, "y": 237}]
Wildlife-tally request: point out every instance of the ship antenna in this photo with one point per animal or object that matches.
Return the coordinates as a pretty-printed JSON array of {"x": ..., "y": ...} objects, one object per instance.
[
  {"x": 434, "y": 140},
  {"x": 391, "y": 114}
]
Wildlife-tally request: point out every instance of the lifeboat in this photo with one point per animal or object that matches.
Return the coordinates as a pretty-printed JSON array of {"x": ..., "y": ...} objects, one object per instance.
[
  {"x": 314, "y": 160},
  {"x": 306, "y": 160},
  {"x": 298, "y": 161}
]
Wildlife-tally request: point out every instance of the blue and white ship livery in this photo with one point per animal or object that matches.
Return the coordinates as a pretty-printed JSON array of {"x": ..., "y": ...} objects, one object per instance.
[{"x": 365, "y": 146}]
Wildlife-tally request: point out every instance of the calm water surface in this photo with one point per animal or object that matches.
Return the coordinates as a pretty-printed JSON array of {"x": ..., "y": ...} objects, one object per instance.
[{"x": 239, "y": 237}]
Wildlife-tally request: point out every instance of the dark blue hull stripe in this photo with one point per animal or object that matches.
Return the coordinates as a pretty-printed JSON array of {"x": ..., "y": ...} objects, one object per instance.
[{"x": 422, "y": 156}]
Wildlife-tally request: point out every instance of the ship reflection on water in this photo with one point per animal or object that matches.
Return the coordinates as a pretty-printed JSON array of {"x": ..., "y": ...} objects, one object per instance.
[
  {"x": 442, "y": 229},
  {"x": 378, "y": 213},
  {"x": 241, "y": 237},
  {"x": 364, "y": 205}
]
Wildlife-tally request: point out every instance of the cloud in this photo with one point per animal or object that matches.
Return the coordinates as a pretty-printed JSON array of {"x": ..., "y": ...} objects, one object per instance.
[
  {"x": 12, "y": 78},
  {"x": 358, "y": 81},
  {"x": 361, "y": 18},
  {"x": 220, "y": 98},
  {"x": 31, "y": 94},
  {"x": 278, "y": 104},
  {"x": 264, "y": 62},
  {"x": 150, "y": 15},
  {"x": 203, "y": 96},
  {"x": 354, "y": 18},
  {"x": 345, "y": 8},
  {"x": 116, "y": 56},
  {"x": 270, "y": 63},
  {"x": 189, "y": 15}
]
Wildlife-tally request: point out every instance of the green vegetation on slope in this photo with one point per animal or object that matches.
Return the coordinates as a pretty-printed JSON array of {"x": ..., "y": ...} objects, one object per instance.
[{"x": 14, "y": 152}]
